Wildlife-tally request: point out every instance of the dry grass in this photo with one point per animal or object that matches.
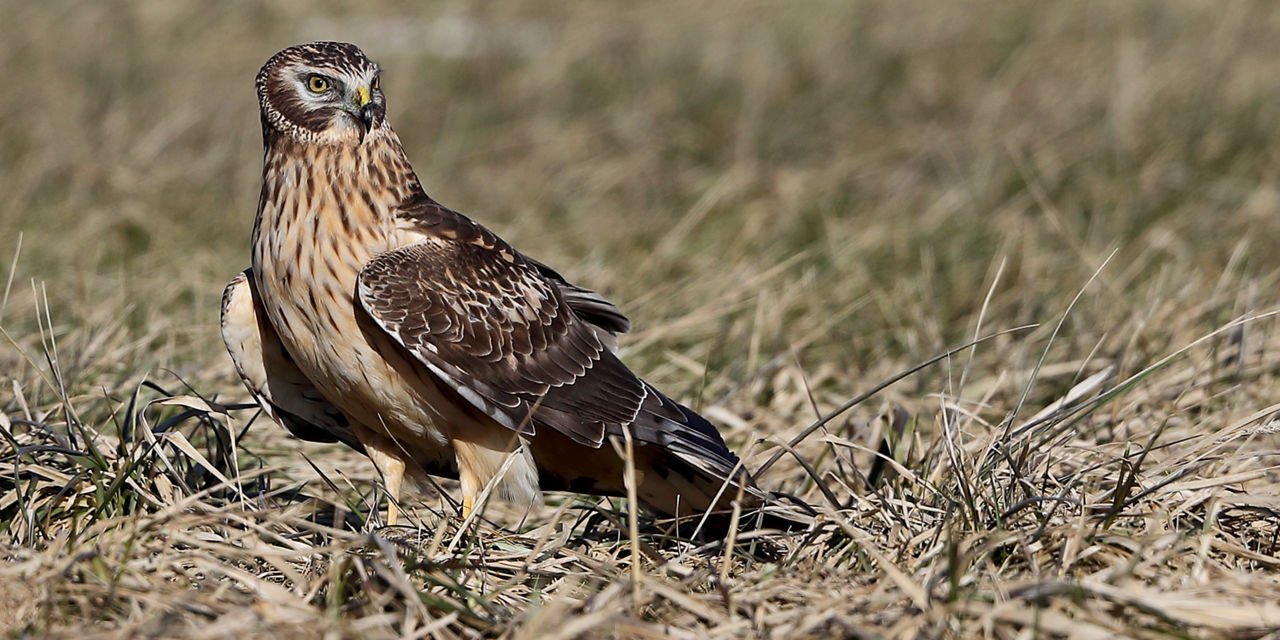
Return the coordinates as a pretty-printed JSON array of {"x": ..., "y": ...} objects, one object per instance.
[{"x": 794, "y": 202}]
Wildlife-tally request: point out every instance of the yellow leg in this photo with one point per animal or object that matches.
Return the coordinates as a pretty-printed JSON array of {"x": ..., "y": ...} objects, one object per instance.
[
  {"x": 470, "y": 489},
  {"x": 392, "y": 469},
  {"x": 469, "y": 461},
  {"x": 480, "y": 464}
]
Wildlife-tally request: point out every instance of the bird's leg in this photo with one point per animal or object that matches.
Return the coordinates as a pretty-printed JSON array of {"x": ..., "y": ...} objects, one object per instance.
[
  {"x": 391, "y": 467},
  {"x": 502, "y": 462},
  {"x": 473, "y": 472},
  {"x": 470, "y": 488}
]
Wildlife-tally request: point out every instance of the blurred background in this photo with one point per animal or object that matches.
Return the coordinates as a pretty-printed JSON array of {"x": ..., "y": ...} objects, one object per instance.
[{"x": 833, "y": 185}]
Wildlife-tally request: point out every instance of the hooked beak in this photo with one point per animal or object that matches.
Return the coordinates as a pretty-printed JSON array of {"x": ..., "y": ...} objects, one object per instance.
[{"x": 362, "y": 108}]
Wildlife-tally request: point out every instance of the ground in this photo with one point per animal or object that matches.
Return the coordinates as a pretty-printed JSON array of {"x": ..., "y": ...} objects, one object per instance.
[{"x": 796, "y": 204}]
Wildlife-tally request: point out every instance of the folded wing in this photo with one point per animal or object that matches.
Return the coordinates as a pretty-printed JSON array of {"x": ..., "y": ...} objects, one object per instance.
[{"x": 521, "y": 344}]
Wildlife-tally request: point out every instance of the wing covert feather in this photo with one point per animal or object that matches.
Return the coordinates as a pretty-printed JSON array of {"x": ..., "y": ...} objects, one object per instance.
[
  {"x": 519, "y": 342},
  {"x": 487, "y": 321}
]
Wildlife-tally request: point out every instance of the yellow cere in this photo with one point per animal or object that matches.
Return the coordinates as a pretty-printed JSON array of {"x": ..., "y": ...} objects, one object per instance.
[{"x": 362, "y": 96}]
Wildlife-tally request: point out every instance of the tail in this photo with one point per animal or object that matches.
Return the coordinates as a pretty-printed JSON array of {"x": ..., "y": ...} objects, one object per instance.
[
  {"x": 691, "y": 473},
  {"x": 684, "y": 469}
]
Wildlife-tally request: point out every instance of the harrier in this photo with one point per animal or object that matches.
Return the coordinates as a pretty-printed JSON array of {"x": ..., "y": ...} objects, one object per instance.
[{"x": 376, "y": 317}]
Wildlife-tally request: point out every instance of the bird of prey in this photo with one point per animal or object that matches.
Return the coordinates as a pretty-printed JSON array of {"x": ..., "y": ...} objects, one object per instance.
[{"x": 376, "y": 317}]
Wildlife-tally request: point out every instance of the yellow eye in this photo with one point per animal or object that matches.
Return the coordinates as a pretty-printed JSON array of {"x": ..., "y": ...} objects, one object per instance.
[
  {"x": 318, "y": 84},
  {"x": 376, "y": 82}
]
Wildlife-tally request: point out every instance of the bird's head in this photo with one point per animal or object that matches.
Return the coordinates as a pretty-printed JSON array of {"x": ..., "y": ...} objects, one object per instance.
[{"x": 321, "y": 93}]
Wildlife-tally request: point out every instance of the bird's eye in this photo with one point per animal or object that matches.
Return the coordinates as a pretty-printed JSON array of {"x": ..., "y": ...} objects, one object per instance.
[
  {"x": 318, "y": 84},
  {"x": 376, "y": 82}
]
